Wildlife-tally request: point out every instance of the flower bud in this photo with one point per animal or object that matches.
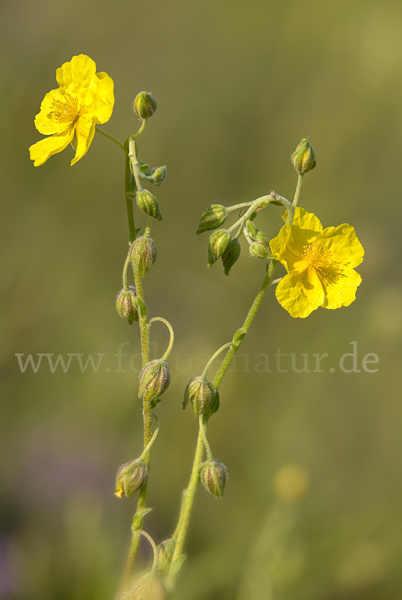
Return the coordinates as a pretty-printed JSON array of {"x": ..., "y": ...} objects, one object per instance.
[
  {"x": 165, "y": 554},
  {"x": 200, "y": 392},
  {"x": 143, "y": 254},
  {"x": 303, "y": 158},
  {"x": 260, "y": 250},
  {"x": 149, "y": 204},
  {"x": 213, "y": 475},
  {"x": 158, "y": 174},
  {"x": 144, "y": 105},
  {"x": 213, "y": 406},
  {"x": 154, "y": 379},
  {"x": 149, "y": 587},
  {"x": 125, "y": 305},
  {"x": 230, "y": 256},
  {"x": 130, "y": 477},
  {"x": 218, "y": 244},
  {"x": 212, "y": 218}
]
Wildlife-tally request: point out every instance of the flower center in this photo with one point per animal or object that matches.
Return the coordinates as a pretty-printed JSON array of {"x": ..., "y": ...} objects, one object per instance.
[
  {"x": 328, "y": 269},
  {"x": 66, "y": 110}
]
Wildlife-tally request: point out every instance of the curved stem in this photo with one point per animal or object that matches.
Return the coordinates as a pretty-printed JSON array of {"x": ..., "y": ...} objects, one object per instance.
[
  {"x": 211, "y": 360},
  {"x": 236, "y": 206},
  {"x": 125, "y": 269},
  {"x": 249, "y": 212},
  {"x": 171, "y": 332},
  {"x": 110, "y": 137},
  {"x": 141, "y": 129},
  {"x": 204, "y": 438},
  {"x": 130, "y": 192},
  {"x": 155, "y": 551},
  {"x": 153, "y": 438}
]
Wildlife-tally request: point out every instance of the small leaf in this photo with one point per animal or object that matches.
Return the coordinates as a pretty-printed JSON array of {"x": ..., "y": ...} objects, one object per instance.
[
  {"x": 143, "y": 167},
  {"x": 239, "y": 336},
  {"x": 177, "y": 564},
  {"x": 142, "y": 309},
  {"x": 139, "y": 517}
]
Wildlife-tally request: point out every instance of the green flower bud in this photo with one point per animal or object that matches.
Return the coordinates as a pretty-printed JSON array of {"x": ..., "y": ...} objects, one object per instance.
[
  {"x": 143, "y": 254},
  {"x": 130, "y": 477},
  {"x": 200, "y": 392},
  {"x": 218, "y": 244},
  {"x": 158, "y": 174},
  {"x": 260, "y": 250},
  {"x": 212, "y": 218},
  {"x": 149, "y": 204},
  {"x": 213, "y": 406},
  {"x": 144, "y": 105},
  {"x": 149, "y": 587},
  {"x": 165, "y": 554},
  {"x": 303, "y": 158},
  {"x": 213, "y": 475},
  {"x": 154, "y": 379},
  {"x": 125, "y": 305},
  {"x": 230, "y": 256},
  {"x": 255, "y": 234}
]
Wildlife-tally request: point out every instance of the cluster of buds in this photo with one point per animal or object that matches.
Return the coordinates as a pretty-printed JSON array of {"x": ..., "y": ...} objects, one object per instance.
[
  {"x": 154, "y": 379},
  {"x": 259, "y": 245},
  {"x": 203, "y": 396},
  {"x": 213, "y": 475},
  {"x": 126, "y": 305},
  {"x": 130, "y": 477},
  {"x": 143, "y": 254}
]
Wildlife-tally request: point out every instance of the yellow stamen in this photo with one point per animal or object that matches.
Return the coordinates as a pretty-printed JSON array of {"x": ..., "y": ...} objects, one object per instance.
[
  {"x": 119, "y": 493},
  {"x": 65, "y": 111},
  {"x": 322, "y": 262}
]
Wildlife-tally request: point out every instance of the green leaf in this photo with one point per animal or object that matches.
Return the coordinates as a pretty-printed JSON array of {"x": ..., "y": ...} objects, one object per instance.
[
  {"x": 177, "y": 564},
  {"x": 239, "y": 336},
  {"x": 142, "y": 309},
  {"x": 139, "y": 517}
]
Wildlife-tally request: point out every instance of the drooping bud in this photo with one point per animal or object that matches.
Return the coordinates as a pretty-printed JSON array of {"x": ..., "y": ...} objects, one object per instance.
[
  {"x": 218, "y": 244},
  {"x": 260, "y": 250},
  {"x": 125, "y": 305},
  {"x": 165, "y": 554},
  {"x": 231, "y": 254},
  {"x": 303, "y": 158},
  {"x": 144, "y": 105},
  {"x": 130, "y": 477},
  {"x": 143, "y": 254},
  {"x": 213, "y": 217},
  {"x": 149, "y": 587},
  {"x": 158, "y": 174},
  {"x": 213, "y": 406},
  {"x": 200, "y": 392},
  {"x": 154, "y": 379},
  {"x": 147, "y": 202},
  {"x": 213, "y": 475}
]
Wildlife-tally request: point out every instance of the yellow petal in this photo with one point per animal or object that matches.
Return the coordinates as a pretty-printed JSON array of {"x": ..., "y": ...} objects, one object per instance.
[
  {"x": 288, "y": 246},
  {"x": 85, "y": 131},
  {"x": 342, "y": 291},
  {"x": 300, "y": 294},
  {"x": 77, "y": 73},
  {"x": 45, "y": 122},
  {"x": 343, "y": 244},
  {"x": 305, "y": 220},
  {"x": 99, "y": 99},
  {"x": 44, "y": 149}
]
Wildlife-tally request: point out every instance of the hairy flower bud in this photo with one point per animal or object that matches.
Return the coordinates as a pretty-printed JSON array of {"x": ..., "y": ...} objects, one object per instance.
[
  {"x": 154, "y": 379},
  {"x": 213, "y": 217},
  {"x": 144, "y": 105},
  {"x": 200, "y": 392},
  {"x": 125, "y": 305},
  {"x": 165, "y": 554},
  {"x": 147, "y": 202},
  {"x": 231, "y": 254},
  {"x": 158, "y": 174},
  {"x": 303, "y": 158},
  {"x": 260, "y": 250},
  {"x": 218, "y": 244},
  {"x": 149, "y": 587},
  {"x": 130, "y": 477},
  {"x": 143, "y": 254},
  {"x": 213, "y": 475}
]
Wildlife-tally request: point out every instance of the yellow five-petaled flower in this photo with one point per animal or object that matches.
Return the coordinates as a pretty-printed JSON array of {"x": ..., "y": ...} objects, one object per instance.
[
  {"x": 70, "y": 113},
  {"x": 320, "y": 264}
]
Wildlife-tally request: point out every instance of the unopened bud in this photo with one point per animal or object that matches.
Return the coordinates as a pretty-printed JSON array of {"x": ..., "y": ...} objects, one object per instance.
[
  {"x": 165, "y": 554},
  {"x": 213, "y": 475},
  {"x": 218, "y": 244},
  {"x": 260, "y": 250},
  {"x": 231, "y": 254},
  {"x": 143, "y": 254},
  {"x": 130, "y": 477},
  {"x": 147, "y": 202},
  {"x": 154, "y": 379},
  {"x": 213, "y": 217},
  {"x": 144, "y": 105},
  {"x": 303, "y": 158},
  {"x": 149, "y": 587},
  {"x": 158, "y": 174},
  {"x": 125, "y": 305},
  {"x": 200, "y": 392}
]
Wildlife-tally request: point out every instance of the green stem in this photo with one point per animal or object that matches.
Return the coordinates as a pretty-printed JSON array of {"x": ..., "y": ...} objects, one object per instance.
[
  {"x": 297, "y": 191},
  {"x": 211, "y": 360},
  {"x": 203, "y": 430},
  {"x": 250, "y": 211},
  {"x": 236, "y": 206},
  {"x": 125, "y": 269},
  {"x": 130, "y": 192},
  {"x": 141, "y": 129},
  {"x": 111, "y": 137},
  {"x": 171, "y": 332}
]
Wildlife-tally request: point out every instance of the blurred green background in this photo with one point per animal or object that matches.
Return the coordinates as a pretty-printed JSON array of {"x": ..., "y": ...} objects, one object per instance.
[{"x": 238, "y": 85}]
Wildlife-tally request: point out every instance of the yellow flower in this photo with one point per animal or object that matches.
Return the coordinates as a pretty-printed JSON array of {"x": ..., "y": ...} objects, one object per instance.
[
  {"x": 70, "y": 113},
  {"x": 320, "y": 264}
]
